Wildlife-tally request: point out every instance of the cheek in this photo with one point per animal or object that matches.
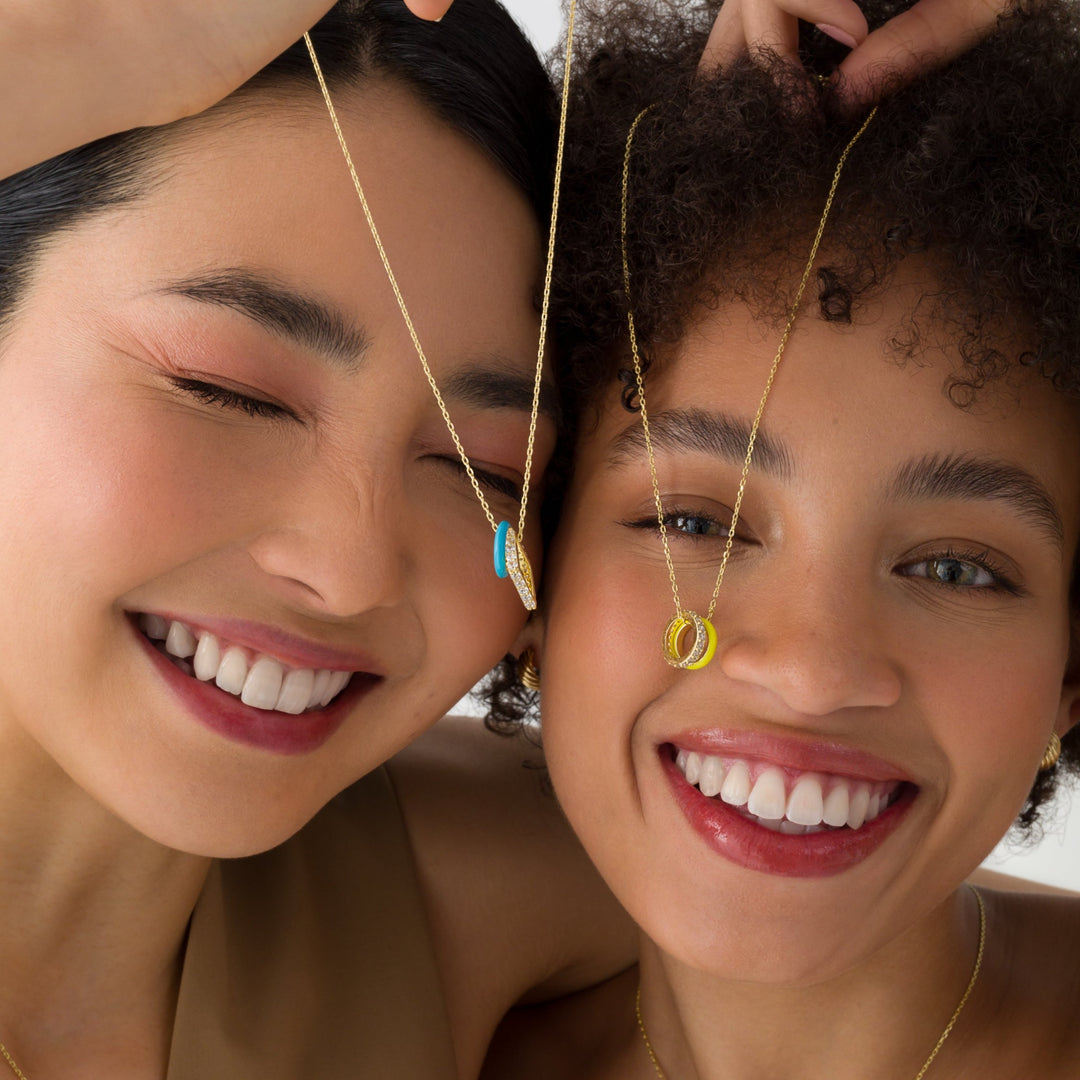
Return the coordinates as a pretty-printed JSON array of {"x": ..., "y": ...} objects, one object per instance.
[
  {"x": 90, "y": 474},
  {"x": 995, "y": 716},
  {"x": 471, "y": 615},
  {"x": 601, "y": 667}
]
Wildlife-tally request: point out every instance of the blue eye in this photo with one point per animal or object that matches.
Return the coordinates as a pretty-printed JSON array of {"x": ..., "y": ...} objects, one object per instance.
[
  {"x": 211, "y": 394},
  {"x": 695, "y": 525},
  {"x": 955, "y": 572},
  {"x": 961, "y": 570}
]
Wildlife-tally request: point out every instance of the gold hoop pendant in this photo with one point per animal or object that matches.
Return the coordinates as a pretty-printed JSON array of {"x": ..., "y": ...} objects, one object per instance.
[
  {"x": 700, "y": 652},
  {"x": 520, "y": 570}
]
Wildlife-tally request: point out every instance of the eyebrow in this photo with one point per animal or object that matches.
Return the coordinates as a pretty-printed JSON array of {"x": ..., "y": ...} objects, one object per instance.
[
  {"x": 965, "y": 477},
  {"x": 700, "y": 431},
  {"x": 493, "y": 383},
  {"x": 284, "y": 311}
]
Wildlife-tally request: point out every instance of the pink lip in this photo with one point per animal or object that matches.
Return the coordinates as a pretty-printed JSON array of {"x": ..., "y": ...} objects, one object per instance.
[
  {"x": 792, "y": 754},
  {"x": 276, "y": 732},
  {"x": 290, "y": 649},
  {"x": 754, "y": 847}
]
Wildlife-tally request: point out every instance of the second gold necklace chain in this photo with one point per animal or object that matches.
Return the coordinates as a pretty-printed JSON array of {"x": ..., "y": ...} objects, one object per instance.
[
  {"x": 699, "y": 651},
  {"x": 510, "y": 557},
  {"x": 941, "y": 1038}
]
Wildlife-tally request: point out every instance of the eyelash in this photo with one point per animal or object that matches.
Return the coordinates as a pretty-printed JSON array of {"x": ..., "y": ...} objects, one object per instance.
[
  {"x": 503, "y": 485},
  {"x": 211, "y": 394},
  {"x": 1003, "y": 581},
  {"x": 673, "y": 515}
]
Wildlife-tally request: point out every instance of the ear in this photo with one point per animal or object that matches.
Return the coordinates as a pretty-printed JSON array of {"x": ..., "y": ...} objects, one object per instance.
[
  {"x": 1069, "y": 708},
  {"x": 531, "y": 636}
]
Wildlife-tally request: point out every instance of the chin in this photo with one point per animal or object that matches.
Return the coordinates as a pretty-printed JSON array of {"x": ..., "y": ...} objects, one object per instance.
[{"x": 224, "y": 824}]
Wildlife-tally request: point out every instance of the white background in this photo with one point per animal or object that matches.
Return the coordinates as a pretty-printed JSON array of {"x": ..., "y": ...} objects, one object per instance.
[{"x": 1056, "y": 859}]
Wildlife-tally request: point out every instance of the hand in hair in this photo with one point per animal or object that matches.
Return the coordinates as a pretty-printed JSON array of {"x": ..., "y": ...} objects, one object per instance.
[
  {"x": 929, "y": 33},
  {"x": 75, "y": 70},
  {"x": 774, "y": 25}
]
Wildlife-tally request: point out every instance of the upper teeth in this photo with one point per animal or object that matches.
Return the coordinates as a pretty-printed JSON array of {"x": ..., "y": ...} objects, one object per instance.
[
  {"x": 799, "y": 802},
  {"x": 259, "y": 680}
]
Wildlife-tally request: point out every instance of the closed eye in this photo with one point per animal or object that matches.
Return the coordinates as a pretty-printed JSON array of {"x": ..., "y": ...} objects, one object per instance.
[
  {"x": 501, "y": 485},
  {"x": 212, "y": 394}
]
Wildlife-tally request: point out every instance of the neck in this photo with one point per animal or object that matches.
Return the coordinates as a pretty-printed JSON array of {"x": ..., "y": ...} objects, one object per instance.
[
  {"x": 881, "y": 1018},
  {"x": 94, "y": 920}
]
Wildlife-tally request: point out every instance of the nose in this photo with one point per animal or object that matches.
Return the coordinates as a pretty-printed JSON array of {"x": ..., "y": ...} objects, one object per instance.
[
  {"x": 816, "y": 647},
  {"x": 339, "y": 546}
]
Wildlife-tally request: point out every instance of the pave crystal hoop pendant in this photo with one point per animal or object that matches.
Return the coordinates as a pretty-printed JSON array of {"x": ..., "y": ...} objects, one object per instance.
[
  {"x": 679, "y": 649},
  {"x": 509, "y": 555},
  {"x": 512, "y": 562}
]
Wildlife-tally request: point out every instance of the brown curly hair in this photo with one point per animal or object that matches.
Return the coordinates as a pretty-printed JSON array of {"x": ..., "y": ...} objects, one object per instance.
[{"x": 976, "y": 164}]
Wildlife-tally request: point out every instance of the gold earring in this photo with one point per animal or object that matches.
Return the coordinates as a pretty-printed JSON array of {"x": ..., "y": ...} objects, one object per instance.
[
  {"x": 1053, "y": 752},
  {"x": 527, "y": 672}
]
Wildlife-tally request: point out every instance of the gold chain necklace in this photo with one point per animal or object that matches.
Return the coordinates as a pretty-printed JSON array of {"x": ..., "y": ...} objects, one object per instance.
[
  {"x": 509, "y": 550},
  {"x": 941, "y": 1038},
  {"x": 11, "y": 1061},
  {"x": 700, "y": 650}
]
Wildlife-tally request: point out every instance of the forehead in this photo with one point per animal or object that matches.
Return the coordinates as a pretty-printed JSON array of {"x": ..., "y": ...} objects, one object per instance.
[
  {"x": 845, "y": 399},
  {"x": 263, "y": 185}
]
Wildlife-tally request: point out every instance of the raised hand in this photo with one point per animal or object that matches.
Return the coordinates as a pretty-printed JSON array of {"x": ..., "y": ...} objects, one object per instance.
[
  {"x": 930, "y": 32},
  {"x": 75, "y": 70}
]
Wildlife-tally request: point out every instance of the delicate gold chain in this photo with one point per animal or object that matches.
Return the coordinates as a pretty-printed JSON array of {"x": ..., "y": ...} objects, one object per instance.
[
  {"x": 937, "y": 1046},
  {"x": 11, "y": 1061},
  {"x": 967, "y": 993},
  {"x": 549, "y": 269},
  {"x": 640, "y": 380},
  {"x": 636, "y": 355},
  {"x": 645, "y": 1035},
  {"x": 401, "y": 300}
]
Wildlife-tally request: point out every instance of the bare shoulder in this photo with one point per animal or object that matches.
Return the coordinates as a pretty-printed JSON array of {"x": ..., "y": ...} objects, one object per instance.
[
  {"x": 994, "y": 879},
  {"x": 584, "y": 1036},
  {"x": 1032, "y": 979},
  {"x": 516, "y": 908}
]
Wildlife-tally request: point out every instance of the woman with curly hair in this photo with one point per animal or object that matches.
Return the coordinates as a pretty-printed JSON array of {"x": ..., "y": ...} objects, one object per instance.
[
  {"x": 243, "y": 564},
  {"x": 808, "y": 647}
]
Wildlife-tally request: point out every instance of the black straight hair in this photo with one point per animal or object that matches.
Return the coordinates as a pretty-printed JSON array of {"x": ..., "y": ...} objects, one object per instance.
[{"x": 474, "y": 69}]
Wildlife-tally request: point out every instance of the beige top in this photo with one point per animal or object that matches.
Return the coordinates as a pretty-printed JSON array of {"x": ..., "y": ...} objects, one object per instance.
[{"x": 315, "y": 959}]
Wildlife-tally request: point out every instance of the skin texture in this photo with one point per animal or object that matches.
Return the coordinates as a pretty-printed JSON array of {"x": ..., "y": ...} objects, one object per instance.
[
  {"x": 347, "y": 523},
  {"x": 832, "y": 630}
]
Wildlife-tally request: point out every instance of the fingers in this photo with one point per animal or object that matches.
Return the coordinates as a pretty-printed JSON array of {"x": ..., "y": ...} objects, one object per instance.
[
  {"x": 429, "y": 9},
  {"x": 930, "y": 33},
  {"x": 773, "y": 24}
]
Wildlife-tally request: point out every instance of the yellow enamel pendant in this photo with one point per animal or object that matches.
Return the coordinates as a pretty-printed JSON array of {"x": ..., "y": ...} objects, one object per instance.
[{"x": 702, "y": 647}]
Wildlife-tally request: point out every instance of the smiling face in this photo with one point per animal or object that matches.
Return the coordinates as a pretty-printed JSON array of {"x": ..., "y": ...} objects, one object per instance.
[
  {"x": 893, "y": 634},
  {"x": 215, "y": 417}
]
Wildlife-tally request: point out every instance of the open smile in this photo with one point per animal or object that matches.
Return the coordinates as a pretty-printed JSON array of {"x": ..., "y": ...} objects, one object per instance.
[
  {"x": 248, "y": 695},
  {"x": 782, "y": 820}
]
